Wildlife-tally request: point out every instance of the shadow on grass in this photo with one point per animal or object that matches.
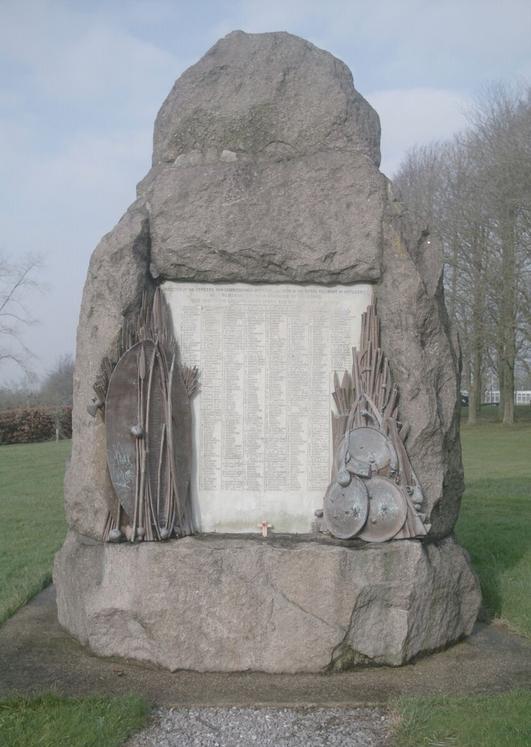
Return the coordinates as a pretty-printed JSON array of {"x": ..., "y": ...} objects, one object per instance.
[{"x": 494, "y": 527}]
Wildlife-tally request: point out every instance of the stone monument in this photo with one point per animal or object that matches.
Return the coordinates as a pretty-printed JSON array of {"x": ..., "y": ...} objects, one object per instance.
[{"x": 266, "y": 467}]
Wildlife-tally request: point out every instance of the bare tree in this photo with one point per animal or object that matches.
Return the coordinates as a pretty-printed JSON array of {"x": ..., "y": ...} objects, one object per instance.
[
  {"x": 22, "y": 392},
  {"x": 17, "y": 280},
  {"x": 57, "y": 387},
  {"x": 501, "y": 126},
  {"x": 435, "y": 183},
  {"x": 475, "y": 192}
]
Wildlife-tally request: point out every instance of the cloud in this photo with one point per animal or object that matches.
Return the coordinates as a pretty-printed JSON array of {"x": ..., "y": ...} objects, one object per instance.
[
  {"x": 79, "y": 96},
  {"x": 66, "y": 56},
  {"x": 59, "y": 205},
  {"x": 417, "y": 42},
  {"x": 81, "y": 82},
  {"x": 102, "y": 62},
  {"x": 415, "y": 116}
]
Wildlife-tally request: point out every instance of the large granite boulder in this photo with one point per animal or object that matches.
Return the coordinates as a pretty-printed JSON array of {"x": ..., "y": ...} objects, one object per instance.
[
  {"x": 265, "y": 168},
  {"x": 284, "y": 605}
]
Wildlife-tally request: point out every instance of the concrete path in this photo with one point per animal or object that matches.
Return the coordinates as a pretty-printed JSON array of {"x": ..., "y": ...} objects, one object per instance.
[{"x": 37, "y": 656}]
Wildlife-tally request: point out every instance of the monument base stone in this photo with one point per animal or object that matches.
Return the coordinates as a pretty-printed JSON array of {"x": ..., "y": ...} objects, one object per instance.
[{"x": 282, "y": 604}]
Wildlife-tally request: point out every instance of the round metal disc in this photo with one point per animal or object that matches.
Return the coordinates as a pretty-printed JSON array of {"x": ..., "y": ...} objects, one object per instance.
[
  {"x": 387, "y": 510},
  {"x": 369, "y": 450},
  {"x": 346, "y": 508}
]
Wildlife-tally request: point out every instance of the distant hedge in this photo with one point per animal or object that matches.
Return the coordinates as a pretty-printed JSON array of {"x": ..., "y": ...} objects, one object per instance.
[{"x": 29, "y": 424}]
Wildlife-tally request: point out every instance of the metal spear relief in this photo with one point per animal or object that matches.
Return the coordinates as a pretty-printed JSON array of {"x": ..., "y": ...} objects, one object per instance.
[
  {"x": 148, "y": 424},
  {"x": 374, "y": 493}
]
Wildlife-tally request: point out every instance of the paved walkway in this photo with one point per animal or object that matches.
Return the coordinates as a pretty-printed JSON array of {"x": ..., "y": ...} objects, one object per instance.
[{"x": 37, "y": 656}]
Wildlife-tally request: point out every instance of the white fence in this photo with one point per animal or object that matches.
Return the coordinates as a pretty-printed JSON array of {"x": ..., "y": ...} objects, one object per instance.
[{"x": 521, "y": 397}]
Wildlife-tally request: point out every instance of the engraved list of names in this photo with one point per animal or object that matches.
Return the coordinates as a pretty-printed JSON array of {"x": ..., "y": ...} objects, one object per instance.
[{"x": 262, "y": 435}]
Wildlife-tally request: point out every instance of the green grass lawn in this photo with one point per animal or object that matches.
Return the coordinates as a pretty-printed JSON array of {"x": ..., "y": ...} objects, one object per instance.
[
  {"x": 495, "y": 520},
  {"x": 32, "y": 528},
  {"x": 50, "y": 721},
  {"x": 482, "y": 721},
  {"x": 32, "y": 524},
  {"x": 494, "y": 527}
]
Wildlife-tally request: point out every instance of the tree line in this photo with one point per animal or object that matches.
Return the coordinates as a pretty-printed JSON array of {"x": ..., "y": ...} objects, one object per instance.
[
  {"x": 18, "y": 281},
  {"x": 474, "y": 191},
  {"x": 53, "y": 389}
]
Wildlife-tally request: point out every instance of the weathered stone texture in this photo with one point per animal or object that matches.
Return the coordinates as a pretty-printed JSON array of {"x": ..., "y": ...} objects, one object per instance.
[
  {"x": 117, "y": 276},
  {"x": 270, "y": 94},
  {"x": 213, "y": 603},
  {"x": 265, "y": 170},
  {"x": 425, "y": 360},
  {"x": 312, "y": 218}
]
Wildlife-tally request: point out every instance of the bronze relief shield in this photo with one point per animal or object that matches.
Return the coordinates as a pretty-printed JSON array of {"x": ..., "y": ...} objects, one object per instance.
[{"x": 121, "y": 415}]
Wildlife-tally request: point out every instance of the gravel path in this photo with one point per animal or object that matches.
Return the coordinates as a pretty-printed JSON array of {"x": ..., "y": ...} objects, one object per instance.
[{"x": 278, "y": 727}]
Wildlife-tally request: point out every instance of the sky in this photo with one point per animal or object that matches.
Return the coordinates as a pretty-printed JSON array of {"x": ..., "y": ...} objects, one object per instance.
[{"x": 81, "y": 82}]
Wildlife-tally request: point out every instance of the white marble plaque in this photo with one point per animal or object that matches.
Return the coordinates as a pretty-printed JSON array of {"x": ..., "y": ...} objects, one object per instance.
[{"x": 262, "y": 435}]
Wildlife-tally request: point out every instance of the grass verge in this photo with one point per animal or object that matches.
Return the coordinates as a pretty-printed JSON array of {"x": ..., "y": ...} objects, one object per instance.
[
  {"x": 50, "y": 721},
  {"x": 496, "y": 515},
  {"x": 32, "y": 524},
  {"x": 480, "y": 721}
]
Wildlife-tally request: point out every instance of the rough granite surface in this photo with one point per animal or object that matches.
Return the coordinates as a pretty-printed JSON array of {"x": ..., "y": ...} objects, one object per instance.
[
  {"x": 280, "y": 605},
  {"x": 265, "y": 169}
]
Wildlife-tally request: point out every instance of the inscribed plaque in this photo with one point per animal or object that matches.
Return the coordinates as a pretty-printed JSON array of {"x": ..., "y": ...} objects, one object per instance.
[{"x": 262, "y": 433}]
